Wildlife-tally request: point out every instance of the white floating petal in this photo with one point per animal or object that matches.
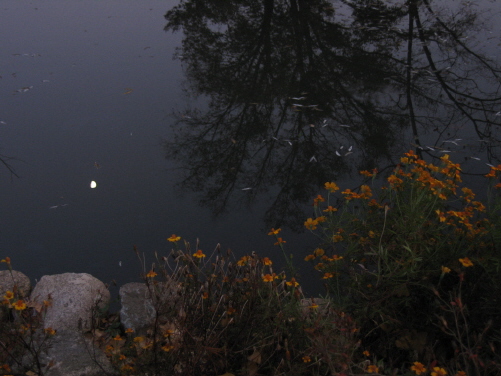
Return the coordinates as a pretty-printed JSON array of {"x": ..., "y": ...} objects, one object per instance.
[{"x": 93, "y": 184}]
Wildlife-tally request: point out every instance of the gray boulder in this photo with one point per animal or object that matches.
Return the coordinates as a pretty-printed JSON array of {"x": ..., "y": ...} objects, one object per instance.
[
  {"x": 9, "y": 279},
  {"x": 140, "y": 304},
  {"x": 73, "y": 297},
  {"x": 73, "y": 354}
]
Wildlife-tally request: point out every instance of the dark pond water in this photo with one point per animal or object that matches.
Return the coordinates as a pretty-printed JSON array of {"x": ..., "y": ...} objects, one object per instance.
[{"x": 220, "y": 120}]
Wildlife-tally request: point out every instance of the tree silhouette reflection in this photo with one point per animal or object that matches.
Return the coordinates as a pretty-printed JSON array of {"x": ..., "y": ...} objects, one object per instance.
[{"x": 300, "y": 92}]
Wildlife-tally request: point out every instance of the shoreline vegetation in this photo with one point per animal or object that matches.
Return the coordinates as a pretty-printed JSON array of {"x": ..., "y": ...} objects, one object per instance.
[{"x": 411, "y": 268}]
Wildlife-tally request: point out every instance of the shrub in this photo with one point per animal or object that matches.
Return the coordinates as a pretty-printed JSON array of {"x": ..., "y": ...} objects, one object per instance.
[{"x": 416, "y": 265}]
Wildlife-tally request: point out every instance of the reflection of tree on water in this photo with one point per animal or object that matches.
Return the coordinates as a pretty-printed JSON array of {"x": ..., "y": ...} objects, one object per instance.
[
  {"x": 293, "y": 84},
  {"x": 4, "y": 160}
]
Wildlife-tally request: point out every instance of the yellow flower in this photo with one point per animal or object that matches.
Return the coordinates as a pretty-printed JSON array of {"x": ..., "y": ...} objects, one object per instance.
[
  {"x": 466, "y": 262},
  {"x": 151, "y": 274},
  {"x": 129, "y": 330},
  {"x": 445, "y": 269},
  {"x": 9, "y": 295},
  {"x": 306, "y": 359},
  {"x": 437, "y": 371},
  {"x": 331, "y": 187},
  {"x": 174, "y": 238},
  {"x": 6, "y": 260},
  {"x": 274, "y": 232},
  {"x": 268, "y": 278},
  {"x": 19, "y": 305},
  {"x": 366, "y": 353},
  {"x": 267, "y": 261},
  {"x": 199, "y": 254},
  {"x": 292, "y": 282},
  {"x": 373, "y": 369},
  {"x": 117, "y": 338},
  {"x": 138, "y": 339},
  {"x": 327, "y": 275},
  {"x": 311, "y": 224},
  {"x": 313, "y": 306},
  {"x": 418, "y": 368}
]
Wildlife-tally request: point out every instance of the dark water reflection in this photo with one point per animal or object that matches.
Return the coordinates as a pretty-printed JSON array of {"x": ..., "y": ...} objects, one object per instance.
[
  {"x": 303, "y": 92},
  {"x": 264, "y": 102}
]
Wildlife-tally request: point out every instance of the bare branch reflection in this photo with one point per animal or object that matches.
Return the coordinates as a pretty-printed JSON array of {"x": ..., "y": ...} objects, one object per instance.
[{"x": 303, "y": 92}]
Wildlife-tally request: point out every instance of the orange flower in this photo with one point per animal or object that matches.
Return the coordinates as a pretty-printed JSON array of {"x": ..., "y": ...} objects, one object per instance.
[
  {"x": 373, "y": 369},
  {"x": 327, "y": 275},
  {"x": 167, "y": 348},
  {"x": 461, "y": 373},
  {"x": 466, "y": 262},
  {"x": 267, "y": 261},
  {"x": 268, "y": 278},
  {"x": 117, "y": 338},
  {"x": 309, "y": 258},
  {"x": 174, "y": 238},
  {"x": 280, "y": 241},
  {"x": 243, "y": 261},
  {"x": 9, "y": 295},
  {"x": 318, "y": 252},
  {"x": 292, "y": 282},
  {"x": 19, "y": 305},
  {"x": 418, "y": 368},
  {"x": 311, "y": 224},
  {"x": 437, "y": 371},
  {"x": 274, "y": 232},
  {"x": 331, "y": 187},
  {"x": 366, "y": 353},
  {"x": 318, "y": 199},
  {"x": 129, "y": 330},
  {"x": 6, "y": 260},
  {"x": 199, "y": 254},
  {"x": 231, "y": 311},
  {"x": 330, "y": 209},
  {"x": 306, "y": 359},
  {"x": 445, "y": 269},
  {"x": 151, "y": 274},
  {"x": 49, "y": 331}
]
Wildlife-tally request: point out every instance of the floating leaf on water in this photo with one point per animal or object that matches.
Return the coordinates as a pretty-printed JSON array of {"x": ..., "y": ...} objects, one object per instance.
[
  {"x": 246, "y": 189},
  {"x": 128, "y": 90}
]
